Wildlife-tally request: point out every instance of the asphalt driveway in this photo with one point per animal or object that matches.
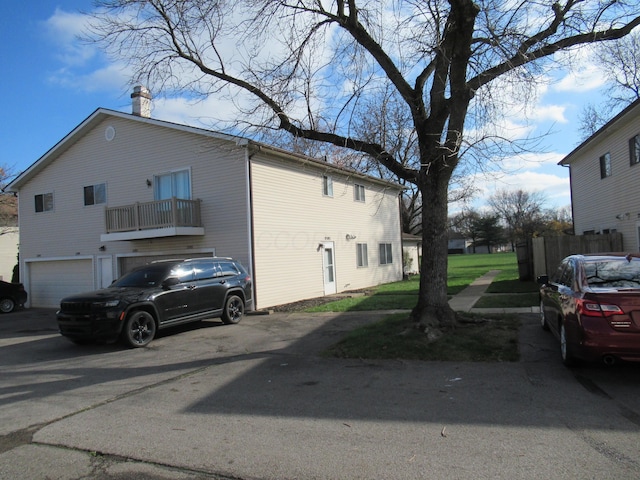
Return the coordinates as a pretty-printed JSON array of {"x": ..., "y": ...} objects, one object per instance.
[{"x": 256, "y": 401}]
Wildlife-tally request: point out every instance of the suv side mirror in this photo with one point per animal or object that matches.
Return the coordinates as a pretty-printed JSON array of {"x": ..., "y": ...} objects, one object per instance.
[{"x": 170, "y": 282}]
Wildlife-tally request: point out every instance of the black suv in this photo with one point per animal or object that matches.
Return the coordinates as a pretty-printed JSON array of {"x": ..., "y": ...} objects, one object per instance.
[{"x": 158, "y": 295}]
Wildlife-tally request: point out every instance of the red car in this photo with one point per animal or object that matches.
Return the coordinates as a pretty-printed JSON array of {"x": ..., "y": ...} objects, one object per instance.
[{"x": 592, "y": 305}]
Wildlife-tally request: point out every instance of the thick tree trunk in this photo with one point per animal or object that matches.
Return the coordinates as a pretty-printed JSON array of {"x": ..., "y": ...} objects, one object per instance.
[{"x": 432, "y": 313}]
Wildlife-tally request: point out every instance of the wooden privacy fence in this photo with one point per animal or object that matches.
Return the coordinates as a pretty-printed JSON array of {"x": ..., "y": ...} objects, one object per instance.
[{"x": 543, "y": 254}]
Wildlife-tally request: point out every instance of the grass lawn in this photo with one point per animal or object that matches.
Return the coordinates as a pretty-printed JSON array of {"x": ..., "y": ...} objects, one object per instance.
[
  {"x": 463, "y": 269},
  {"x": 493, "y": 340},
  {"x": 487, "y": 338}
]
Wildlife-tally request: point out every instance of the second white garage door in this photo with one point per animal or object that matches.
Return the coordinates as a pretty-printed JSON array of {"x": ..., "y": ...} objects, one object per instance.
[{"x": 51, "y": 280}]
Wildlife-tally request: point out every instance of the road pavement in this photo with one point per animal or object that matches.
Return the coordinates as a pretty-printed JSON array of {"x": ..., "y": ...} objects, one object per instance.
[{"x": 257, "y": 401}]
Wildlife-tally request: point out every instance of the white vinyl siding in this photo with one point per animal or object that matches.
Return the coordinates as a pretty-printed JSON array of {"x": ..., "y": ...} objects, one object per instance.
[
  {"x": 137, "y": 153},
  {"x": 292, "y": 223},
  {"x": 611, "y": 204}
]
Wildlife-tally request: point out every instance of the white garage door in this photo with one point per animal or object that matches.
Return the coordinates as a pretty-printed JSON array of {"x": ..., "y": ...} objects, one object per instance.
[{"x": 51, "y": 280}]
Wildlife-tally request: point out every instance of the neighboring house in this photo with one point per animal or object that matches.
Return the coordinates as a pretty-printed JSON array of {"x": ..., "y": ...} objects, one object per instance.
[
  {"x": 9, "y": 239},
  {"x": 605, "y": 179},
  {"x": 411, "y": 253},
  {"x": 121, "y": 190}
]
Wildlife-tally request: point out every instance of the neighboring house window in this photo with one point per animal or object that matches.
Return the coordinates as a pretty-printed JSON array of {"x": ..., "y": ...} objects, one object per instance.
[
  {"x": 605, "y": 165},
  {"x": 361, "y": 254},
  {"x": 95, "y": 194},
  {"x": 327, "y": 186},
  {"x": 634, "y": 150},
  {"x": 44, "y": 202},
  {"x": 173, "y": 184},
  {"x": 358, "y": 193},
  {"x": 385, "y": 254}
]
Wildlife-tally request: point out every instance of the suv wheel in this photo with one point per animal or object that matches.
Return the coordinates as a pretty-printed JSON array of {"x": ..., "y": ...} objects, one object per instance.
[
  {"x": 233, "y": 309},
  {"x": 7, "y": 305},
  {"x": 139, "y": 329}
]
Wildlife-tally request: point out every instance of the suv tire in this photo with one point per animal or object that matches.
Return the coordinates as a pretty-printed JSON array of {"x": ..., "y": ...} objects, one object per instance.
[
  {"x": 233, "y": 310},
  {"x": 139, "y": 329}
]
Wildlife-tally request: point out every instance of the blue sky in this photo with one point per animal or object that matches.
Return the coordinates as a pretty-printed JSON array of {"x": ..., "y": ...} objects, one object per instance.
[{"x": 51, "y": 82}]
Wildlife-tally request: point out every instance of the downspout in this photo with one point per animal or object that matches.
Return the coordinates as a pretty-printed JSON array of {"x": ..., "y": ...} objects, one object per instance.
[
  {"x": 250, "y": 223},
  {"x": 571, "y": 197}
]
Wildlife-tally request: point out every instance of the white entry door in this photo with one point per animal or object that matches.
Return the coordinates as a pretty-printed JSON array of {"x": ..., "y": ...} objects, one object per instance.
[
  {"x": 105, "y": 272},
  {"x": 329, "y": 268}
]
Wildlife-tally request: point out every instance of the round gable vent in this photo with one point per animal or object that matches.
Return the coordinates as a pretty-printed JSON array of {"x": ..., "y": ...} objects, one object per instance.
[{"x": 110, "y": 133}]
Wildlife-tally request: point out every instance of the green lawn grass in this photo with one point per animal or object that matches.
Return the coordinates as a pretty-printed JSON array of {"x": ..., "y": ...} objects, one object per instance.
[
  {"x": 463, "y": 269},
  {"x": 490, "y": 338}
]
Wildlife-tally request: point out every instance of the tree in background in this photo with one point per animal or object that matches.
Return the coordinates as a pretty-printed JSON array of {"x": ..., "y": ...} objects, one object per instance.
[
  {"x": 620, "y": 63},
  {"x": 306, "y": 67},
  {"x": 482, "y": 229},
  {"x": 8, "y": 204},
  {"x": 521, "y": 211},
  {"x": 558, "y": 222}
]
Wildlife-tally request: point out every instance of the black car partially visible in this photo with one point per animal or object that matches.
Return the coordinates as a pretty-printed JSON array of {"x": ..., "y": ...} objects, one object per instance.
[{"x": 12, "y": 295}]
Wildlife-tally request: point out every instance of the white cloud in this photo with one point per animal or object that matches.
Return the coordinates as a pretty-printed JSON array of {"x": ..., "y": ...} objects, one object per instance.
[{"x": 63, "y": 29}]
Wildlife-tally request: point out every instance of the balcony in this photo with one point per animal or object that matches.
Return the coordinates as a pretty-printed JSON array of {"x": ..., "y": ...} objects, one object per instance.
[{"x": 162, "y": 218}]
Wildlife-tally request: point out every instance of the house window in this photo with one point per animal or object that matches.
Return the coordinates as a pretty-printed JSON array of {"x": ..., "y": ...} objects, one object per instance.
[
  {"x": 634, "y": 150},
  {"x": 44, "y": 202},
  {"x": 327, "y": 186},
  {"x": 361, "y": 255},
  {"x": 605, "y": 165},
  {"x": 386, "y": 257},
  {"x": 95, "y": 194},
  {"x": 173, "y": 184},
  {"x": 358, "y": 193}
]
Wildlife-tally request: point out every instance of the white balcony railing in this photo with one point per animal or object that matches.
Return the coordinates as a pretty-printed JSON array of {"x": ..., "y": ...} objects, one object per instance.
[{"x": 170, "y": 213}]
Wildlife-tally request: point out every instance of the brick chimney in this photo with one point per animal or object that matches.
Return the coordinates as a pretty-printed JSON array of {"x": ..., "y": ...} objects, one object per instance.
[{"x": 141, "y": 101}]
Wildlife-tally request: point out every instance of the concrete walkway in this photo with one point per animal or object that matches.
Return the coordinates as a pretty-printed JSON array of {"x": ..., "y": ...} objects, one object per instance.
[{"x": 467, "y": 298}]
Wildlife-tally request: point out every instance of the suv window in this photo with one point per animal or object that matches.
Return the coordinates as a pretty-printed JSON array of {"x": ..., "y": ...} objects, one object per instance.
[
  {"x": 226, "y": 269},
  {"x": 204, "y": 269},
  {"x": 184, "y": 272}
]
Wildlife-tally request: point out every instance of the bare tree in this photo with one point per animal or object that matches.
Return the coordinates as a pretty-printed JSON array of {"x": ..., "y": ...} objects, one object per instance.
[
  {"x": 8, "y": 204},
  {"x": 307, "y": 66},
  {"x": 620, "y": 62},
  {"x": 521, "y": 211}
]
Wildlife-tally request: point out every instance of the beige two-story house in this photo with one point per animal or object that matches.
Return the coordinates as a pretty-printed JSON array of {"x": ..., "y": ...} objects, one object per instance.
[
  {"x": 122, "y": 190},
  {"x": 605, "y": 179}
]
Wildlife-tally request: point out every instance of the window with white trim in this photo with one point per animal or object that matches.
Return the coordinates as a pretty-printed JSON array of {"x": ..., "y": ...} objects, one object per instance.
[
  {"x": 385, "y": 253},
  {"x": 362, "y": 257},
  {"x": 172, "y": 184},
  {"x": 44, "y": 202},
  {"x": 358, "y": 192},
  {"x": 95, "y": 194},
  {"x": 327, "y": 186}
]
